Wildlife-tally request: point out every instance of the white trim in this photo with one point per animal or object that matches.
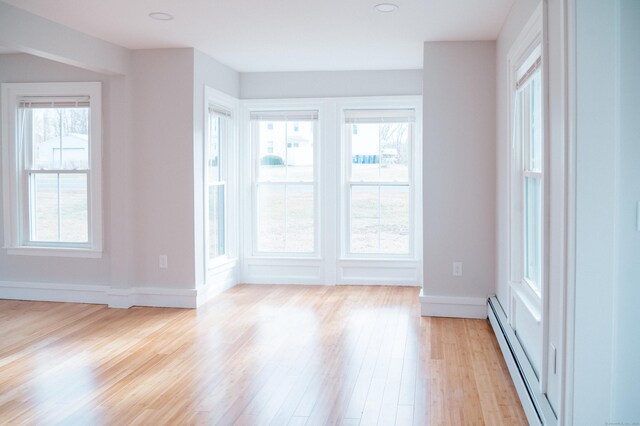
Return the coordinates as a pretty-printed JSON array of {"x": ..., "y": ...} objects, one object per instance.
[
  {"x": 104, "y": 295},
  {"x": 229, "y": 173},
  {"x": 327, "y": 266},
  {"x": 15, "y": 216},
  {"x": 453, "y": 307}
]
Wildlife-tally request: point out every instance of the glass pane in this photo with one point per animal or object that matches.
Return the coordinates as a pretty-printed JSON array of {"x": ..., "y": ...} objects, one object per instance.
[
  {"x": 300, "y": 151},
  {"x": 285, "y": 150},
  {"x": 74, "y": 224},
  {"x": 533, "y": 231},
  {"x": 215, "y": 134},
  {"x": 380, "y": 151},
  {"x": 365, "y": 218},
  {"x": 300, "y": 219},
  {"x": 535, "y": 140},
  {"x": 394, "y": 219},
  {"x": 271, "y": 218},
  {"x": 44, "y": 208},
  {"x": 394, "y": 152},
  {"x": 216, "y": 221},
  {"x": 60, "y": 138}
]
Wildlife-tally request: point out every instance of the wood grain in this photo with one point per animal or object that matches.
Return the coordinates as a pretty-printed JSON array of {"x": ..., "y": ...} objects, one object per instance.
[{"x": 255, "y": 355}]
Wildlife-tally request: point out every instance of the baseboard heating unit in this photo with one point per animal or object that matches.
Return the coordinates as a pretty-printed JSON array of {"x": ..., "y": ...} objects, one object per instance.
[{"x": 535, "y": 404}]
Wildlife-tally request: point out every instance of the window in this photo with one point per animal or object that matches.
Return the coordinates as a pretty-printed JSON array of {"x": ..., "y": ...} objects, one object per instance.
[
  {"x": 379, "y": 181},
  {"x": 528, "y": 137},
  {"x": 52, "y": 153},
  {"x": 218, "y": 132},
  {"x": 284, "y": 181}
]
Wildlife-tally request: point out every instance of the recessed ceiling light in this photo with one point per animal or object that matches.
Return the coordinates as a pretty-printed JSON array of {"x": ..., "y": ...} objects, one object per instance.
[
  {"x": 160, "y": 16},
  {"x": 386, "y": 7}
]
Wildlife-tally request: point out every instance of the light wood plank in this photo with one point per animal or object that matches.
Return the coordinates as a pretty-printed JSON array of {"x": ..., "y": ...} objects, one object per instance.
[{"x": 255, "y": 355}]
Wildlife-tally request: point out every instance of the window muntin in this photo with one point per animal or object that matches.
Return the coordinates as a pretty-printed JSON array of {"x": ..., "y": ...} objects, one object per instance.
[
  {"x": 529, "y": 139},
  {"x": 379, "y": 184},
  {"x": 285, "y": 188},
  {"x": 51, "y": 167}
]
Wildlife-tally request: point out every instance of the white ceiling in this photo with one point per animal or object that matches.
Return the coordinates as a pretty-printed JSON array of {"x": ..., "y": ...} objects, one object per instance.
[{"x": 283, "y": 35}]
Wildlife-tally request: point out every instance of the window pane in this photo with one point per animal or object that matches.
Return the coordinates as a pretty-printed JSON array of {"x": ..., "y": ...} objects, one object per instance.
[
  {"x": 300, "y": 220},
  {"x": 59, "y": 210},
  {"x": 286, "y": 150},
  {"x": 286, "y": 218},
  {"x": 380, "y": 219},
  {"x": 535, "y": 140},
  {"x": 216, "y": 221},
  {"x": 74, "y": 226},
  {"x": 214, "y": 148},
  {"x": 60, "y": 138},
  {"x": 394, "y": 219},
  {"x": 533, "y": 231},
  {"x": 44, "y": 208},
  {"x": 380, "y": 151},
  {"x": 271, "y": 218},
  {"x": 365, "y": 209}
]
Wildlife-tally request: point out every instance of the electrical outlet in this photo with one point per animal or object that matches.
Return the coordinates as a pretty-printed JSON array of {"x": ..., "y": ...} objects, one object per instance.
[
  {"x": 457, "y": 269},
  {"x": 163, "y": 262}
]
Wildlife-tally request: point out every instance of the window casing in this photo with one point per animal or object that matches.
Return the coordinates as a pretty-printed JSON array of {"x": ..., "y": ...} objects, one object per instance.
[
  {"x": 284, "y": 145},
  {"x": 379, "y": 182},
  {"x": 52, "y": 173},
  {"x": 218, "y": 133},
  {"x": 528, "y": 141}
]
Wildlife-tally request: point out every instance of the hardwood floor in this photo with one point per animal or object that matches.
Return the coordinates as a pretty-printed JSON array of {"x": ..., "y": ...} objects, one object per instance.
[{"x": 254, "y": 355}]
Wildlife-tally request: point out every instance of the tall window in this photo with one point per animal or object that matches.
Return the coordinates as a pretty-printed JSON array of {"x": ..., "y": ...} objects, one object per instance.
[
  {"x": 218, "y": 128},
  {"x": 379, "y": 181},
  {"x": 52, "y": 165},
  {"x": 284, "y": 180},
  {"x": 528, "y": 137}
]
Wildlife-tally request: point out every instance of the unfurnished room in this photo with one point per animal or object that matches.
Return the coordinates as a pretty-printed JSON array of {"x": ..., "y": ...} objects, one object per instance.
[{"x": 403, "y": 212}]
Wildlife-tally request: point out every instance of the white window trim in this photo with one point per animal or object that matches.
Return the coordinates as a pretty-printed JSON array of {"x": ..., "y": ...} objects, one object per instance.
[
  {"x": 251, "y": 237},
  {"x": 228, "y": 148},
  {"x": 14, "y": 210},
  {"x": 328, "y": 267},
  {"x": 529, "y": 41},
  {"x": 414, "y": 178}
]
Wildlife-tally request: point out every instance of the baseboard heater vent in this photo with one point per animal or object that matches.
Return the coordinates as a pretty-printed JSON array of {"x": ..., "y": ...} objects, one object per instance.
[{"x": 535, "y": 404}]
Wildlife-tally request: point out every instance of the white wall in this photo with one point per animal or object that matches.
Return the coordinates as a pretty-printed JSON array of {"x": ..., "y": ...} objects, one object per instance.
[
  {"x": 606, "y": 371},
  {"x": 321, "y": 84},
  {"x": 626, "y": 343},
  {"x": 113, "y": 266},
  {"x": 162, "y": 81},
  {"x": 459, "y": 168}
]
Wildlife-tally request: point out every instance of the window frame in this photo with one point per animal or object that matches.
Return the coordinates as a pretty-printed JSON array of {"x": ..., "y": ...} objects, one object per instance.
[
  {"x": 15, "y": 174},
  {"x": 521, "y": 170},
  {"x": 223, "y": 104},
  {"x": 254, "y": 149},
  {"x": 346, "y": 185}
]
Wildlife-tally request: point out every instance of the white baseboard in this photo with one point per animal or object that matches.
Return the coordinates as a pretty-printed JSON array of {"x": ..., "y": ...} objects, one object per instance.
[
  {"x": 453, "y": 307},
  {"x": 102, "y": 295}
]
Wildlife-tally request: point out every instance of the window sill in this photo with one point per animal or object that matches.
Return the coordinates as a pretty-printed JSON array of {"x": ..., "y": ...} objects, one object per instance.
[{"x": 54, "y": 252}]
